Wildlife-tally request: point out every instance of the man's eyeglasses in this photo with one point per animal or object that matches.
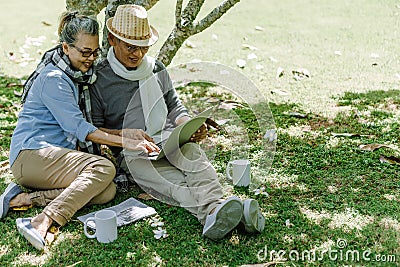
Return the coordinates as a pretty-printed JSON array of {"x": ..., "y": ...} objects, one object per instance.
[
  {"x": 134, "y": 48},
  {"x": 85, "y": 53}
]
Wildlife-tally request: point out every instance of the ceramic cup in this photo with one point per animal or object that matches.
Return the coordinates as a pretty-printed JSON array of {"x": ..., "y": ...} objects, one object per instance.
[
  {"x": 105, "y": 230},
  {"x": 239, "y": 172}
]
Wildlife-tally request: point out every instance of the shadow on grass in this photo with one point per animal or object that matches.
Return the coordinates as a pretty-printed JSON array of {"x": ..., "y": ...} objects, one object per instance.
[{"x": 321, "y": 189}]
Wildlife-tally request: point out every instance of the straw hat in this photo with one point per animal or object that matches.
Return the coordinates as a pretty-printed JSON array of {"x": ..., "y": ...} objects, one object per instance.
[{"x": 131, "y": 24}]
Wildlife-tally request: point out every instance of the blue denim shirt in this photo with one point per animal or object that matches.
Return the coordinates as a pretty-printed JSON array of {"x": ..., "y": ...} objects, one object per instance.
[{"x": 50, "y": 115}]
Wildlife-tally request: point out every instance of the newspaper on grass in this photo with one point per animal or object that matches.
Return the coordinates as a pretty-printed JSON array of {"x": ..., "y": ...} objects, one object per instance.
[{"x": 129, "y": 211}]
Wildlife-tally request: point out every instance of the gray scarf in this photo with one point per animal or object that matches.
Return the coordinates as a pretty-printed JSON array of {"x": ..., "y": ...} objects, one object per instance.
[{"x": 81, "y": 80}]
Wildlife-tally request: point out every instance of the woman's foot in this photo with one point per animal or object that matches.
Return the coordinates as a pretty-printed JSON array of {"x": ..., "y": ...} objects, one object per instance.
[
  {"x": 20, "y": 200},
  {"x": 35, "y": 229},
  {"x": 42, "y": 224}
]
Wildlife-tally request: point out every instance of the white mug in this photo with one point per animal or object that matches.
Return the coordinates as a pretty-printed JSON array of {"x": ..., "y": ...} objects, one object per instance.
[
  {"x": 240, "y": 172},
  {"x": 105, "y": 226}
]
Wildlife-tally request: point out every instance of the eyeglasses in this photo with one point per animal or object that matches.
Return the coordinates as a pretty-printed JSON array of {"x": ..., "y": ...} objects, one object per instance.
[
  {"x": 134, "y": 48},
  {"x": 84, "y": 53}
]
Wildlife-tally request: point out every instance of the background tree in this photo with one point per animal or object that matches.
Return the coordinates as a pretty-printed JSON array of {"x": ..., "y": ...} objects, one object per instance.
[{"x": 185, "y": 24}]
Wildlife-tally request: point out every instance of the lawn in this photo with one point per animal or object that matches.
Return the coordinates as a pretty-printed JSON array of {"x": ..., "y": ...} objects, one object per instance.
[{"x": 331, "y": 180}]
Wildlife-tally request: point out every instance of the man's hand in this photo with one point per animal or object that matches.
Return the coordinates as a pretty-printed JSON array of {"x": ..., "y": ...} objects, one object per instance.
[
  {"x": 136, "y": 134},
  {"x": 141, "y": 145},
  {"x": 200, "y": 134}
]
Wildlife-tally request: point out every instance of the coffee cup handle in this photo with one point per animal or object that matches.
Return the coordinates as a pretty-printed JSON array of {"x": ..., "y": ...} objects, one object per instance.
[
  {"x": 228, "y": 170},
  {"x": 85, "y": 227}
]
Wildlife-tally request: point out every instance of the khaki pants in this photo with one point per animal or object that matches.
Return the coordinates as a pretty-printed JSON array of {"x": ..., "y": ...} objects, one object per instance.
[
  {"x": 186, "y": 178},
  {"x": 68, "y": 180}
]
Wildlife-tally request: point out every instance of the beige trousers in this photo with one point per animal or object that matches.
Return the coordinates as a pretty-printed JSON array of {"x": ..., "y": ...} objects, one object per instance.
[
  {"x": 66, "y": 179},
  {"x": 186, "y": 178}
]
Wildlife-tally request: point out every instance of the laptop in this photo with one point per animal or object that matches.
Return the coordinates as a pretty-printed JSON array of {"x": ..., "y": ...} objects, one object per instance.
[{"x": 168, "y": 142}]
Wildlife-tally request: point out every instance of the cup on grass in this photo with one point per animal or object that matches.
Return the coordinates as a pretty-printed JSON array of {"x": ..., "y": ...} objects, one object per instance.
[
  {"x": 239, "y": 172},
  {"x": 105, "y": 226}
]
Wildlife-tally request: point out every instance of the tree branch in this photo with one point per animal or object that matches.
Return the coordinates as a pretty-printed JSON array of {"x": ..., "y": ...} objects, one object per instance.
[
  {"x": 214, "y": 15},
  {"x": 190, "y": 12},
  {"x": 86, "y": 7},
  {"x": 178, "y": 12}
]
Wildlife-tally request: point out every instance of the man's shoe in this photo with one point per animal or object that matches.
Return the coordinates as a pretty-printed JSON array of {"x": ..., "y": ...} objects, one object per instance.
[
  {"x": 225, "y": 217},
  {"x": 11, "y": 191},
  {"x": 253, "y": 220}
]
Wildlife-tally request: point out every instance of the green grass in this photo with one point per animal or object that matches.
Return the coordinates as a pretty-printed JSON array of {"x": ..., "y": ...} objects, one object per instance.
[{"x": 321, "y": 189}]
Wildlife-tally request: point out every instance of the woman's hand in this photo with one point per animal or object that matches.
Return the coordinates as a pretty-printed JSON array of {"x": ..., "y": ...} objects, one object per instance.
[{"x": 136, "y": 134}]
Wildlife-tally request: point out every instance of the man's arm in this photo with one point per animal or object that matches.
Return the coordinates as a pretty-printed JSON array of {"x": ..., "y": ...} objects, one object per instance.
[{"x": 101, "y": 137}]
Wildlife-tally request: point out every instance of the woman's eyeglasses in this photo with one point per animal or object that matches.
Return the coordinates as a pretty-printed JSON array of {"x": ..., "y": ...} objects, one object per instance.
[{"x": 85, "y": 53}]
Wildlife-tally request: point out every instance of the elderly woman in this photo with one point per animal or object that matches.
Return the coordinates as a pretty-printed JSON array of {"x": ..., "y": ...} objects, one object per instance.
[{"x": 42, "y": 154}]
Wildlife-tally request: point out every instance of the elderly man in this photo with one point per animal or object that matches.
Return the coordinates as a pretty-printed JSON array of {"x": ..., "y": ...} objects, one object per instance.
[{"x": 134, "y": 92}]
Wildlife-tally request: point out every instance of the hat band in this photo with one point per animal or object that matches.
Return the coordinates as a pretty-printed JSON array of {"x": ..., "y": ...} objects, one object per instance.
[{"x": 146, "y": 37}]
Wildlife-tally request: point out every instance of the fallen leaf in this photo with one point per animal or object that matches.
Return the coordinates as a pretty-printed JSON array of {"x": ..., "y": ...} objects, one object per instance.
[
  {"x": 372, "y": 147},
  {"x": 194, "y": 69},
  {"x": 288, "y": 223},
  {"x": 249, "y": 47},
  {"x": 16, "y": 93},
  {"x": 145, "y": 196},
  {"x": 229, "y": 106},
  {"x": 222, "y": 122},
  {"x": 279, "y": 72},
  {"x": 11, "y": 56},
  {"x": 11, "y": 85},
  {"x": 389, "y": 159},
  {"x": 346, "y": 134},
  {"x": 213, "y": 100},
  {"x": 45, "y": 23},
  {"x": 22, "y": 208},
  {"x": 241, "y": 63},
  {"x": 296, "y": 114},
  {"x": 270, "y": 135},
  {"x": 273, "y": 59},
  {"x": 279, "y": 92},
  {"x": 52, "y": 234},
  {"x": 73, "y": 265},
  {"x": 300, "y": 74},
  {"x": 189, "y": 44},
  {"x": 267, "y": 264},
  {"x": 251, "y": 56}
]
